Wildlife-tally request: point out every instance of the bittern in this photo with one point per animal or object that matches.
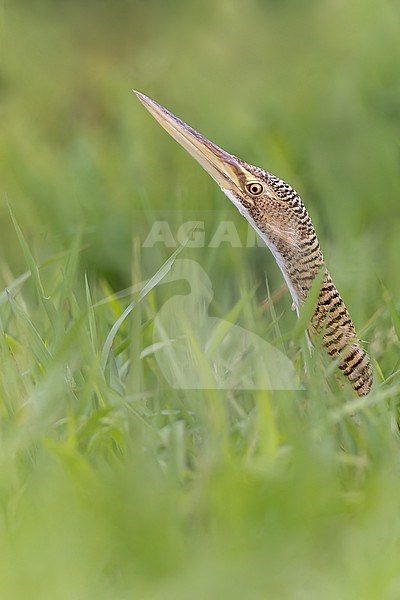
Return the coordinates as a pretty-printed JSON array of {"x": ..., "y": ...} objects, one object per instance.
[{"x": 276, "y": 212}]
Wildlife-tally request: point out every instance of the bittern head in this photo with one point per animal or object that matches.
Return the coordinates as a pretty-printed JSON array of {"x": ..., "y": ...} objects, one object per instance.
[
  {"x": 248, "y": 187},
  {"x": 269, "y": 204}
]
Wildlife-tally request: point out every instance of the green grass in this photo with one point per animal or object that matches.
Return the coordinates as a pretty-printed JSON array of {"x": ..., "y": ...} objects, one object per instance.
[{"x": 112, "y": 483}]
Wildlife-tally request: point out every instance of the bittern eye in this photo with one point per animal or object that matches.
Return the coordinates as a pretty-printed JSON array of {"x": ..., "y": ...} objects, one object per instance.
[{"x": 254, "y": 188}]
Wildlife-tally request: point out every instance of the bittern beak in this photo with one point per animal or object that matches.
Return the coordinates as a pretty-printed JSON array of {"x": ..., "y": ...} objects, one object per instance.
[{"x": 224, "y": 168}]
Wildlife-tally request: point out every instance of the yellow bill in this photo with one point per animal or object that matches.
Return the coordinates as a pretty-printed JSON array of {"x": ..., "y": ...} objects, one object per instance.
[{"x": 223, "y": 167}]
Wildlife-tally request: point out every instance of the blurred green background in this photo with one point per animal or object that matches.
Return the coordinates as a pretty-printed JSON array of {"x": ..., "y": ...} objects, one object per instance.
[
  {"x": 309, "y": 91},
  {"x": 111, "y": 484}
]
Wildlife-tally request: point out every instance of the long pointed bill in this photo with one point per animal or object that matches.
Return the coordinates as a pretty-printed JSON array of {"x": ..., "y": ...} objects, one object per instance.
[{"x": 224, "y": 168}]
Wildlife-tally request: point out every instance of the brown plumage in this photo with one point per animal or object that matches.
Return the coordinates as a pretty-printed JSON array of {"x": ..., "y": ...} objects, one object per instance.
[
  {"x": 279, "y": 216},
  {"x": 295, "y": 240}
]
